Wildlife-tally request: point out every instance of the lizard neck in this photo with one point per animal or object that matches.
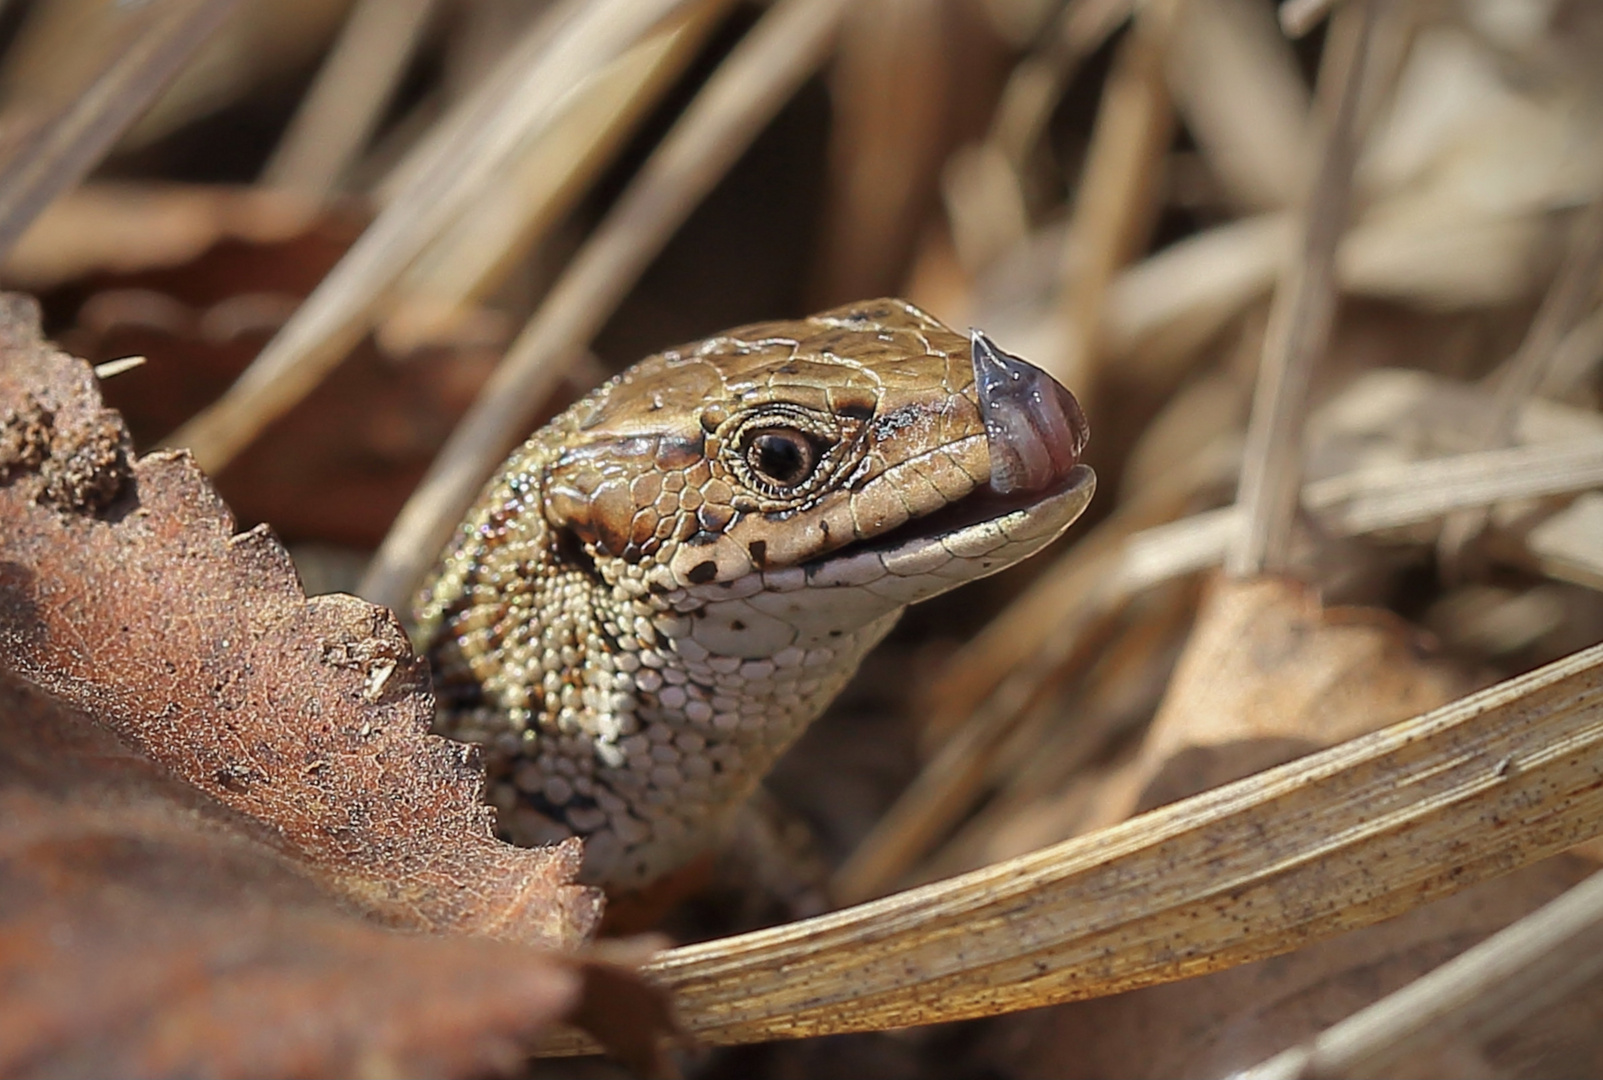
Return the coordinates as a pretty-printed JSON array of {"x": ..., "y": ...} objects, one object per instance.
[{"x": 637, "y": 719}]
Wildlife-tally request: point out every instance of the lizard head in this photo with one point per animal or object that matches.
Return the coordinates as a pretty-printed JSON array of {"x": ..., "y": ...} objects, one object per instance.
[
  {"x": 666, "y": 584},
  {"x": 868, "y": 447}
]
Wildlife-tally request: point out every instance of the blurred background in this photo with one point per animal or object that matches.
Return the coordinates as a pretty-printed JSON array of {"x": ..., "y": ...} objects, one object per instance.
[{"x": 1301, "y": 263}]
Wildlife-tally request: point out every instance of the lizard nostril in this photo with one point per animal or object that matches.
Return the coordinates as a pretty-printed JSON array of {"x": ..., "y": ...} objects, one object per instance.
[{"x": 1034, "y": 427}]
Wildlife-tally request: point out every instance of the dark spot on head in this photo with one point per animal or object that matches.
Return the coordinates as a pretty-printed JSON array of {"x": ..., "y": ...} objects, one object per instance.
[
  {"x": 702, "y": 573},
  {"x": 834, "y": 633},
  {"x": 570, "y": 550},
  {"x": 736, "y": 624},
  {"x": 679, "y": 453},
  {"x": 896, "y": 420},
  {"x": 758, "y": 550},
  {"x": 856, "y": 411},
  {"x": 823, "y": 527},
  {"x": 786, "y": 369}
]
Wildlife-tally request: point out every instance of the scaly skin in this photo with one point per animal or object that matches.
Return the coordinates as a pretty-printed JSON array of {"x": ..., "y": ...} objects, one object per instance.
[{"x": 665, "y": 585}]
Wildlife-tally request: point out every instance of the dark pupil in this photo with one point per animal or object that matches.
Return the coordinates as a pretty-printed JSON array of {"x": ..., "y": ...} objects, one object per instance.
[{"x": 784, "y": 458}]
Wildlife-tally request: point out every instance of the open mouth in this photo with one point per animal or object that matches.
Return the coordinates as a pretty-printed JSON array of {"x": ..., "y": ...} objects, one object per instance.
[{"x": 1066, "y": 497}]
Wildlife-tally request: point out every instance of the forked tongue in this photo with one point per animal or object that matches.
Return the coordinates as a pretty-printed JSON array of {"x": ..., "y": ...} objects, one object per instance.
[{"x": 1033, "y": 426}]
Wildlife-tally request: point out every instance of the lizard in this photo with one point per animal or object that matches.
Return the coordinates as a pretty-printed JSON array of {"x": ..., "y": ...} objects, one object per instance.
[{"x": 665, "y": 585}]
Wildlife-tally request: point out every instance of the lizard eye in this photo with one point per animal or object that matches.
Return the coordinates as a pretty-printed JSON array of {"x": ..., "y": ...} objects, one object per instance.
[{"x": 781, "y": 456}]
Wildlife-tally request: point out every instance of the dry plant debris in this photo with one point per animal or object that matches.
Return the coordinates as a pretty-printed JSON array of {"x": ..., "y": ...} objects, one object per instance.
[
  {"x": 1136, "y": 772},
  {"x": 208, "y": 776}
]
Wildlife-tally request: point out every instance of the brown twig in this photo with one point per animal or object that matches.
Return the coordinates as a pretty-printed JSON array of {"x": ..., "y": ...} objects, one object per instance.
[
  {"x": 341, "y": 110},
  {"x": 1336, "y": 840},
  {"x": 1302, "y": 313},
  {"x": 760, "y": 75},
  {"x": 1564, "y": 307},
  {"x": 1298, "y": 17},
  {"x": 64, "y": 143},
  {"x": 1117, "y": 199},
  {"x": 533, "y": 86}
]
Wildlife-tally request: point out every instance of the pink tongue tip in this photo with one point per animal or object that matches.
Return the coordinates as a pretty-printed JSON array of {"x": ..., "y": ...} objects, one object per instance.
[{"x": 1034, "y": 427}]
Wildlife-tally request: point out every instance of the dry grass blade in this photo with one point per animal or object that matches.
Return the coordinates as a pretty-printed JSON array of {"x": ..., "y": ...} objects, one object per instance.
[
  {"x": 1483, "y": 992},
  {"x": 116, "y": 367},
  {"x": 1117, "y": 199},
  {"x": 1372, "y": 499},
  {"x": 538, "y": 79},
  {"x": 1302, "y": 313},
  {"x": 50, "y": 149},
  {"x": 1298, "y": 17},
  {"x": 982, "y": 185},
  {"x": 1035, "y": 86},
  {"x": 1380, "y": 498},
  {"x": 1563, "y": 308},
  {"x": 542, "y": 184},
  {"x": 343, "y": 106},
  {"x": 1576, "y": 357},
  {"x": 973, "y": 709},
  {"x": 892, "y": 88},
  {"x": 1565, "y": 547},
  {"x": 759, "y": 76},
  {"x": 951, "y": 782},
  {"x": 1043, "y": 613},
  {"x": 1114, "y": 564},
  {"x": 1236, "y": 83},
  {"x": 1566, "y": 304},
  {"x": 1334, "y": 841}
]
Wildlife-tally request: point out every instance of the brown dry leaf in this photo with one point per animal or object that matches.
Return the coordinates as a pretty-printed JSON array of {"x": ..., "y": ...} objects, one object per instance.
[
  {"x": 217, "y": 798},
  {"x": 125, "y": 594},
  {"x": 1270, "y": 675},
  {"x": 337, "y": 468},
  {"x": 147, "y": 931}
]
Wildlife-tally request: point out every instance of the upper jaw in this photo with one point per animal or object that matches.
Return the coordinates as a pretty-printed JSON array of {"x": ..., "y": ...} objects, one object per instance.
[
  {"x": 931, "y": 555},
  {"x": 1035, "y": 432}
]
